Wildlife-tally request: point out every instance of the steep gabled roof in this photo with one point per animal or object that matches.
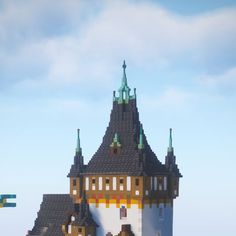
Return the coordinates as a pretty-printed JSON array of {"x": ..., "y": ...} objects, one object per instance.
[
  {"x": 124, "y": 149},
  {"x": 129, "y": 159},
  {"x": 54, "y": 212}
]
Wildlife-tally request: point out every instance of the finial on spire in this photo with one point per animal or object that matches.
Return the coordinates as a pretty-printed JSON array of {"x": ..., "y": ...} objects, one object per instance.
[
  {"x": 141, "y": 144},
  {"x": 78, "y": 148},
  {"x": 124, "y": 79},
  {"x": 170, "y": 148},
  {"x": 124, "y": 66},
  {"x": 124, "y": 90}
]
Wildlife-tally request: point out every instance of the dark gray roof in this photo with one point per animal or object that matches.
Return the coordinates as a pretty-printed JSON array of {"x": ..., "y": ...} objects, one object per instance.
[
  {"x": 78, "y": 165},
  {"x": 83, "y": 216},
  {"x": 124, "y": 120},
  {"x": 53, "y": 213},
  {"x": 171, "y": 164}
]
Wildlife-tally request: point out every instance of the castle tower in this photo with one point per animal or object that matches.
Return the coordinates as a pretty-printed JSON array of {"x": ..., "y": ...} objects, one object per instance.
[{"x": 128, "y": 190}]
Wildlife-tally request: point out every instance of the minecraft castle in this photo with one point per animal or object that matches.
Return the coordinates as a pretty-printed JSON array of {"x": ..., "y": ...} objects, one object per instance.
[{"x": 124, "y": 190}]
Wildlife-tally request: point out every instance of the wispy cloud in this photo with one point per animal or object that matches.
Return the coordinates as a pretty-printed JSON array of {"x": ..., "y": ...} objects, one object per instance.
[
  {"x": 169, "y": 99},
  {"x": 228, "y": 78},
  {"x": 67, "y": 42}
]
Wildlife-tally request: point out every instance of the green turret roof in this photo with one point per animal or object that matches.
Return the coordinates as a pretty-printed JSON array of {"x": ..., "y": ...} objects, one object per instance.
[
  {"x": 124, "y": 90},
  {"x": 170, "y": 148}
]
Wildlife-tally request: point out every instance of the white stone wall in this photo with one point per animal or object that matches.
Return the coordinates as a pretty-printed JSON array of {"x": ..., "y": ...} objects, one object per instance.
[
  {"x": 156, "y": 223},
  {"x": 144, "y": 222},
  {"x": 109, "y": 220}
]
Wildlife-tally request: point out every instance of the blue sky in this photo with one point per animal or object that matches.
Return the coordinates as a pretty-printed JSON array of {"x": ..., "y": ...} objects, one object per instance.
[{"x": 59, "y": 63}]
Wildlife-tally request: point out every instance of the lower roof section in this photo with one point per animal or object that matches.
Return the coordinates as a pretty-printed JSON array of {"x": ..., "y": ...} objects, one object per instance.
[
  {"x": 53, "y": 213},
  {"x": 124, "y": 148}
]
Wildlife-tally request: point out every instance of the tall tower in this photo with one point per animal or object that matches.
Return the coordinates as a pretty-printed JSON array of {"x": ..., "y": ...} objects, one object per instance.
[{"x": 127, "y": 189}]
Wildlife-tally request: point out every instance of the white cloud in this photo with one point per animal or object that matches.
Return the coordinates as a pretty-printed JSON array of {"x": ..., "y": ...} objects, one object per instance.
[
  {"x": 228, "y": 78},
  {"x": 66, "y": 46},
  {"x": 171, "y": 98}
]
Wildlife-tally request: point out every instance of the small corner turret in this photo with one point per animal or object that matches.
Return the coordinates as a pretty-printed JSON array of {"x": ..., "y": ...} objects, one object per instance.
[
  {"x": 170, "y": 163},
  {"x": 75, "y": 174},
  {"x": 78, "y": 165},
  {"x": 80, "y": 221}
]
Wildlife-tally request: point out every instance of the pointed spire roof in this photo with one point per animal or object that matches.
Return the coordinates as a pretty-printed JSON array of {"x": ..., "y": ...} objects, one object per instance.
[
  {"x": 125, "y": 128},
  {"x": 170, "y": 148},
  {"x": 78, "y": 166},
  {"x": 78, "y": 147},
  {"x": 170, "y": 160},
  {"x": 124, "y": 84},
  {"x": 124, "y": 120},
  {"x": 141, "y": 144}
]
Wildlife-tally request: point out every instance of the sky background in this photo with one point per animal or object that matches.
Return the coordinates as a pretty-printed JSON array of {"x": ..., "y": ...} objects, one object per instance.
[{"x": 59, "y": 64}]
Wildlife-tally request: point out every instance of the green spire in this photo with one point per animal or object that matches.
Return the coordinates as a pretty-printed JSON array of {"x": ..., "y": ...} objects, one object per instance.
[
  {"x": 124, "y": 84},
  {"x": 124, "y": 90},
  {"x": 141, "y": 144},
  {"x": 170, "y": 148},
  {"x": 78, "y": 148},
  {"x": 115, "y": 141}
]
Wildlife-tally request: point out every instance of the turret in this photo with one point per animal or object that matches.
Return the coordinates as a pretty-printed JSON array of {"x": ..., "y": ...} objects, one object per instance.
[
  {"x": 170, "y": 158},
  {"x": 174, "y": 173},
  {"x": 79, "y": 159},
  {"x": 76, "y": 178},
  {"x": 80, "y": 222}
]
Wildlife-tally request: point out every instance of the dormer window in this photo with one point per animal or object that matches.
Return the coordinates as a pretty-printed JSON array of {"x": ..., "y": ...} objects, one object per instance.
[{"x": 115, "y": 145}]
